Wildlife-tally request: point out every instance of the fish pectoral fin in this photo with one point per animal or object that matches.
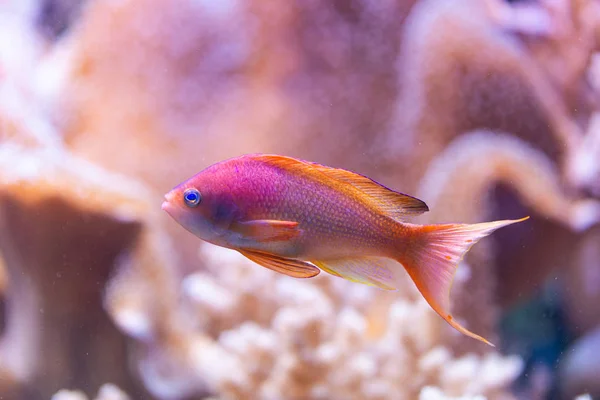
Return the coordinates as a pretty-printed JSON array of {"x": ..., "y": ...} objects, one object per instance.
[
  {"x": 287, "y": 266},
  {"x": 267, "y": 230},
  {"x": 372, "y": 271}
]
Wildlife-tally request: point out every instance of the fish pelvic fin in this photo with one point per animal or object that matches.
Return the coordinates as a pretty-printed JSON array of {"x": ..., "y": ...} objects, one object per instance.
[
  {"x": 287, "y": 266},
  {"x": 431, "y": 255}
]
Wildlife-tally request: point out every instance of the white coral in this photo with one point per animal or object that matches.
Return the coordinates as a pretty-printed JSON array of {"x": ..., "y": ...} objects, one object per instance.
[
  {"x": 313, "y": 339},
  {"x": 108, "y": 391}
]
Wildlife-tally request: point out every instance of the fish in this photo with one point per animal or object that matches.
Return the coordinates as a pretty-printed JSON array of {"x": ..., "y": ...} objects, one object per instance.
[{"x": 299, "y": 218}]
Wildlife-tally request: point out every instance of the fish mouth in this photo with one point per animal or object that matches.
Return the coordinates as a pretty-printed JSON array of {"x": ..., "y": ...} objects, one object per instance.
[{"x": 167, "y": 205}]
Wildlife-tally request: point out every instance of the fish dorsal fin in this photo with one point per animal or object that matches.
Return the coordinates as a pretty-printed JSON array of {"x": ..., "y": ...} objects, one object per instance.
[
  {"x": 287, "y": 266},
  {"x": 388, "y": 201},
  {"x": 394, "y": 204}
]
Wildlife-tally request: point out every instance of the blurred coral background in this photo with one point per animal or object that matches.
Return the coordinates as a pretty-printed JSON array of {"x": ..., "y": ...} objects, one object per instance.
[{"x": 484, "y": 109}]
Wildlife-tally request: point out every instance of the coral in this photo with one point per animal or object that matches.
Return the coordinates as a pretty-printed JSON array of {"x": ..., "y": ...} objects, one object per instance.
[
  {"x": 485, "y": 75},
  {"x": 433, "y": 393},
  {"x": 580, "y": 365},
  {"x": 175, "y": 88},
  {"x": 510, "y": 68},
  {"x": 583, "y": 170},
  {"x": 193, "y": 87},
  {"x": 55, "y": 16},
  {"x": 450, "y": 187},
  {"x": 201, "y": 83},
  {"x": 157, "y": 90},
  {"x": 456, "y": 192},
  {"x": 192, "y": 81},
  {"x": 581, "y": 284},
  {"x": 565, "y": 49},
  {"x": 107, "y": 392},
  {"x": 324, "y": 338},
  {"x": 64, "y": 394},
  {"x": 66, "y": 228}
]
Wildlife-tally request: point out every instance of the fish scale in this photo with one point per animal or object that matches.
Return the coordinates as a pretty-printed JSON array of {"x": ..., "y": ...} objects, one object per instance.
[{"x": 315, "y": 206}]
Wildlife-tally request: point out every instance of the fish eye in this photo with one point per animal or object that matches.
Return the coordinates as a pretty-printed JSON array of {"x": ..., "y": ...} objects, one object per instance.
[{"x": 192, "y": 197}]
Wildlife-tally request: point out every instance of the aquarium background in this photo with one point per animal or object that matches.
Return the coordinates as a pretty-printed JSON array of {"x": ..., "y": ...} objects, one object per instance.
[{"x": 484, "y": 109}]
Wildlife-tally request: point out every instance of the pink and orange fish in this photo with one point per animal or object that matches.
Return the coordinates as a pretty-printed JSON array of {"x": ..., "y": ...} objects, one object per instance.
[{"x": 297, "y": 217}]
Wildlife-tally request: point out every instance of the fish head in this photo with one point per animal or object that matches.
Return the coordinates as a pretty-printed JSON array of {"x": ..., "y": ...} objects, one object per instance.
[{"x": 203, "y": 205}]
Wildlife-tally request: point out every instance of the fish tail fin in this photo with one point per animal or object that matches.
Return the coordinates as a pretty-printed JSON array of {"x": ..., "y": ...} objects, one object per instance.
[{"x": 431, "y": 255}]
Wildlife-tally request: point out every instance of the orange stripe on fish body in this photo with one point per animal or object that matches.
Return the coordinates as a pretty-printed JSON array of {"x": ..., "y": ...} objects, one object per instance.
[{"x": 293, "y": 216}]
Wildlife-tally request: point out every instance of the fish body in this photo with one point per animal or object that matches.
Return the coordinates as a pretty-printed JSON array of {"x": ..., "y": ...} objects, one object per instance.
[
  {"x": 333, "y": 219},
  {"x": 296, "y": 217}
]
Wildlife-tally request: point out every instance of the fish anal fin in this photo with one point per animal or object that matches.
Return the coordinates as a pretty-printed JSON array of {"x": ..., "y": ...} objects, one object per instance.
[
  {"x": 388, "y": 201},
  {"x": 286, "y": 266},
  {"x": 372, "y": 271},
  {"x": 267, "y": 230}
]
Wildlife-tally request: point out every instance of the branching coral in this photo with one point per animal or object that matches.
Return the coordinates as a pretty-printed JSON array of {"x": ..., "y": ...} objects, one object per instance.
[
  {"x": 320, "y": 338},
  {"x": 106, "y": 392}
]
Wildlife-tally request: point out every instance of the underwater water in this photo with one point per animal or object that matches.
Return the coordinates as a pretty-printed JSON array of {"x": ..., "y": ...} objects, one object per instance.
[{"x": 483, "y": 109}]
